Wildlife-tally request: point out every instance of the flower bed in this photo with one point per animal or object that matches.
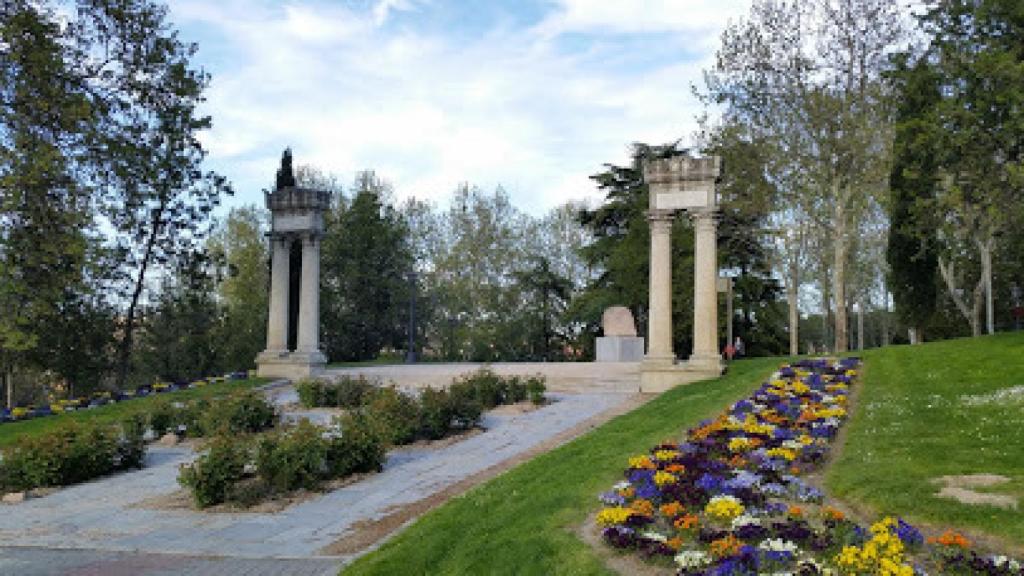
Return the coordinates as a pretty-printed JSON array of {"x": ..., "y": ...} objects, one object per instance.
[
  {"x": 97, "y": 399},
  {"x": 733, "y": 498}
]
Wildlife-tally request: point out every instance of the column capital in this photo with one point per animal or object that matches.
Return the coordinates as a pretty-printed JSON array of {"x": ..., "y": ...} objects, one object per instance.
[
  {"x": 661, "y": 220},
  {"x": 704, "y": 217}
]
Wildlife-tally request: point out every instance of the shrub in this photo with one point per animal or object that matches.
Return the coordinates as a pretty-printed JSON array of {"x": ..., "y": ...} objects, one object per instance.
[
  {"x": 242, "y": 413},
  {"x": 396, "y": 416},
  {"x": 349, "y": 392},
  {"x": 535, "y": 388},
  {"x": 359, "y": 448},
  {"x": 71, "y": 453},
  {"x": 162, "y": 416},
  {"x": 131, "y": 449},
  {"x": 435, "y": 413},
  {"x": 464, "y": 407},
  {"x": 311, "y": 393},
  {"x": 293, "y": 459},
  {"x": 485, "y": 386},
  {"x": 516, "y": 391},
  {"x": 211, "y": 476}
]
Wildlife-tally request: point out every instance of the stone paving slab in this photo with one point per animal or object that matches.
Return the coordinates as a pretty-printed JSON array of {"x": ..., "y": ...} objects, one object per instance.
[{"x": 101, "y": 515}]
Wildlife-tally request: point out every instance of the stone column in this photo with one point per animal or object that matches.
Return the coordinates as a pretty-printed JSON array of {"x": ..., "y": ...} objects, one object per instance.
[
  {"x": 705, "y": 291},
  {"x": 277, "y": 319},
  {"x": 309, "y": 300},
  {"x": 659, "y": 318}
]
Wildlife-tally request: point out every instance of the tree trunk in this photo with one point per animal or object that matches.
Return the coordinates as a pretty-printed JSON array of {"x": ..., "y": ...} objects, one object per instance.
[
  {"x": 948, "y": 273},
  {"x": 860, "y": 325},
  {"x": 792, "y": 287},
  {"x": 985, "y": 251},
  {"x": 8, "y": 377},
  {"x": 839, "y": 274},
  {"x": 140, "y": 280}
]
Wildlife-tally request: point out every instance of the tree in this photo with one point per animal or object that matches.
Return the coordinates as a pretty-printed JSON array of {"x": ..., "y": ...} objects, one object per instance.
[
  {"x": 157, "y": 197},
  {"x": 366, "y": 260},
  {"x": 976, "y": 52},
  {"x": 179, "y": 332},
  {"x": 547, "y": 294},
  {"x": 239, "y": 246},
  {"x": 44, "y": 212},
  {"x": 806, "y": 79},
  {"x": 912, "y": 248}
]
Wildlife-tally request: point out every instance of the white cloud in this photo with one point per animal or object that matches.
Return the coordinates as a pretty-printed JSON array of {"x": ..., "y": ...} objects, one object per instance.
[{"x": 504, "y": 106}]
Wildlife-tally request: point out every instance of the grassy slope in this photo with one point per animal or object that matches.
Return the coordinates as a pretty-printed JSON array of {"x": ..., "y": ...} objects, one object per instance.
[
  {"x": 910, "y": 426},
  {"x": 522, "y": 521},
  {"x": 111, "y": 413}
]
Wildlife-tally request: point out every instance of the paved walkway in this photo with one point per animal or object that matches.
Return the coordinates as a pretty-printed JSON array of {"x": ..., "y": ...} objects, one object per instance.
[{"x": 87, "y": 525}]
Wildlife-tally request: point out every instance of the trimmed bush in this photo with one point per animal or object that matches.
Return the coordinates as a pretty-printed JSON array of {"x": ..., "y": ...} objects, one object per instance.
[
  {"x": 359, "y": 448},
  {"x": 72, "y": 453},
  {"x": 243, "y": 413},
  {"x": 211, "y": 477},
  {"x": 294, "y": 459},
  {"x": 535, "y": 388},
  {"x": 394, "y": 415},
  {"x": 162, "y": 416},
  {"x": 349, "y": 392},
  {"x": 311, "y": 393}
]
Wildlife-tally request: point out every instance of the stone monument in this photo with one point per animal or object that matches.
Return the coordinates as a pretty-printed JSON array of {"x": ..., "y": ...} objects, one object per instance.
[
  {"x": 293, "y": 324},
  {"x": 682, "y": 182},
  {"x": 620, "y": 342}
]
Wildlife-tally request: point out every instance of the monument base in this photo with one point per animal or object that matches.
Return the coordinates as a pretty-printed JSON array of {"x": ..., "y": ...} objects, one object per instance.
[
  {"x": 706, "y": 363},
  {"x": 291, "y": 365},
  {"x": 658, "y": 376},
  {"x": 619, "y": 349}
]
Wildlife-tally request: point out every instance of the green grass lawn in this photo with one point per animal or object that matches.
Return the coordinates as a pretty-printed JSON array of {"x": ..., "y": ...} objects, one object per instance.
[
  {"x": 522, "y": 522},
  {"x": 111, "y": 413},
  {"x": 922, "y": 413}
]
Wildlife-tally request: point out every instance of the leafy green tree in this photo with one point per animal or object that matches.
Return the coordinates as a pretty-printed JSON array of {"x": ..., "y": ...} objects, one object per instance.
[
  {"x": 546, "y": 295},
  {"x": 44, "y": 211},
  {"x": 157, "y": 198},
  {"x": 179, "y": 336},
  {"x": 366, "y": 260},
  {"x": 912, "y": 248},
  {"x": 240, "y": 247}
]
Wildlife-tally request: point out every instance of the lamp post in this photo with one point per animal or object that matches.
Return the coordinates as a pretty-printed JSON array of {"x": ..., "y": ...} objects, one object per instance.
[{"x": 410, "y": 351}]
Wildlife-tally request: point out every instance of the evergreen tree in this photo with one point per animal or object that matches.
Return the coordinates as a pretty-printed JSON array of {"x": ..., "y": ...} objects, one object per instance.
[
  {"x": 912, "y": 250},
  {"x": 366, "y": 261}
]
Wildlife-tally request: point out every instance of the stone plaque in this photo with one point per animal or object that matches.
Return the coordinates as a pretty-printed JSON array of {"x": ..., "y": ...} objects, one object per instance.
[
  {"x": 618, "y": 321},
  {"x": 699, "y": 197}
]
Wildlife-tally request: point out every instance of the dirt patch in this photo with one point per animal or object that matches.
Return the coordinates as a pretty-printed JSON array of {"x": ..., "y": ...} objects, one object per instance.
[
  {"x": 961, "y": 489},
  {"x": 365, "y": 534}
]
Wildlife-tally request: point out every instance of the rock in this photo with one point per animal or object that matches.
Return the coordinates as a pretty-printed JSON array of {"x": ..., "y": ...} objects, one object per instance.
[
  {"x": 618, "y": 321},
  {"x": 14, "y": 498},
  {"x": 169, "y": 440}
]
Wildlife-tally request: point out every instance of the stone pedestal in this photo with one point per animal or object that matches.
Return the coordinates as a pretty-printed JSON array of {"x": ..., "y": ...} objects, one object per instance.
[{"x": 619, "y": 349}]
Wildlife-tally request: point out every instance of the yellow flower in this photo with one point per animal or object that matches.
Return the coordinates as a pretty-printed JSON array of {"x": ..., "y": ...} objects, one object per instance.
[
  {"x": 638, "y": 462},
  {"x": 661, "y": 478},
  {"x": 666, "y": 455},
  {"x": 614, "y": 516},
  {"x": 724, "y": 508}
]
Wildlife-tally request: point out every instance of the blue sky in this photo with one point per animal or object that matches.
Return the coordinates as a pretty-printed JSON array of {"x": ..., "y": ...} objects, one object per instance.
[{"x": 533, "y": 95}]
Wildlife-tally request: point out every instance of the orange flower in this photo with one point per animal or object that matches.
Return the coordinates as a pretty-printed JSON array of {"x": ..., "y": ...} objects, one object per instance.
[
  {"x": 950, "y": 538},
  {"x": 832, "y": 514},
  {"x": 675, "y": 543},
  {"x": 641, "y": 506},
  {"x": 627, "y": 492},
  {"x": 795, "y": 511},
  {"x": 687, "y": 522},
  {"x": 675, "y": 468},
  {"x": 672, "y": 509},
  {"x": 728, "y": 546}
]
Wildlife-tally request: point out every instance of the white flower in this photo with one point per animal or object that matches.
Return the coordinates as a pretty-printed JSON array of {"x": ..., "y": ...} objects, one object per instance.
[
  {"x": 654, "y": 536},
  {"x": 621, "y": 485},
  {"x": 778, "y": 545},
  {"x": 1010, "y": 563},
  {"x": 793, "y": 445},
  {"x": 692, "y": 559},
  {"x": 744, "y": 520}
]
